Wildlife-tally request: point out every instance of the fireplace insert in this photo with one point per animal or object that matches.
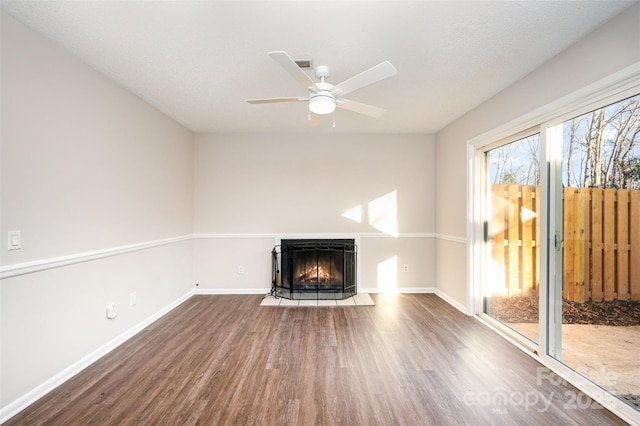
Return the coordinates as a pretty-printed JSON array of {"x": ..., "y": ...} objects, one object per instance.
[{"x": 318, "y": 269}]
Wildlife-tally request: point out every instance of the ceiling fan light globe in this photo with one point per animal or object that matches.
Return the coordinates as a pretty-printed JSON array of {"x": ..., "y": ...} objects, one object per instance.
[{"x": 322, "y": 104}]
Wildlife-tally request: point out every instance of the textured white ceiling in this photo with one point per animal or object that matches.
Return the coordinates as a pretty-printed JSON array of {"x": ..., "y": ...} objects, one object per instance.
[{"x": 198, "y": 61}]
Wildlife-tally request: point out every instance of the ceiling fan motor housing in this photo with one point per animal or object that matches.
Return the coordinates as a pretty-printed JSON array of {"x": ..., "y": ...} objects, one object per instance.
[{"x": 322, "y": 72}]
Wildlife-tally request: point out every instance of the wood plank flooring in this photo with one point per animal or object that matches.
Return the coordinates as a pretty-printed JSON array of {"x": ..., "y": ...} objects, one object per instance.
[{"x": 223, "y": 360}]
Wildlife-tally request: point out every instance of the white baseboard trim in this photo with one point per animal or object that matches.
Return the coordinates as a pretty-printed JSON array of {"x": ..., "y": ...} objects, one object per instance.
[
  {"x": 33, "y": 395},
  {"x": 432, "y": 290},
  {"x": 452, "y": 302},
  {"x": 219, "y": 291},
  {"x": 407, "y": 290},
  {"x": 265, "y": 290},
  {"x": 374, "y": 290}
]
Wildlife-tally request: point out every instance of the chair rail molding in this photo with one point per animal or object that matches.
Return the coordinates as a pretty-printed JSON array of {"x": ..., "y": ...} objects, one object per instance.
[{"x": 18, "y": 269}]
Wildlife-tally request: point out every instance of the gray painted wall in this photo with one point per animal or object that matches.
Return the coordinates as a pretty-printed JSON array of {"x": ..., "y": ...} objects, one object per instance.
[{"x": 610, "y": 48}]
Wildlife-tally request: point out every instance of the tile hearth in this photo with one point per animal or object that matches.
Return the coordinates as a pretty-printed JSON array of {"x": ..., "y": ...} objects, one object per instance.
[{"x": 360, "y": 299}]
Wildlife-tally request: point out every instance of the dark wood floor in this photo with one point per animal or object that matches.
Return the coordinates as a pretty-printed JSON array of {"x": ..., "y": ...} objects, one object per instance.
[{"x": 410, "y": 360}]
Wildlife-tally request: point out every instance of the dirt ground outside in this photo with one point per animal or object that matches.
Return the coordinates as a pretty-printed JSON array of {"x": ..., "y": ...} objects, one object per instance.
[
  {"x": 600, "y": 340},
  {"x": 608, "y": 355}
]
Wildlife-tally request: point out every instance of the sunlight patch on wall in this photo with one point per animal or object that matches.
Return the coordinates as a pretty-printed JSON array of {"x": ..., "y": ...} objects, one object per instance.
[
  {"x": 388, "y": 275},
  {"x": 383, "y": 213},
  {"x": 354, "y": 214}
]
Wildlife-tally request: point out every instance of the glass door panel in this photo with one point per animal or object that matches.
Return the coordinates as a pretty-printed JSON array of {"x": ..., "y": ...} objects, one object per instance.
[
  {"x": 599, "y": 283},
  {"x": 513, "y": 231}
]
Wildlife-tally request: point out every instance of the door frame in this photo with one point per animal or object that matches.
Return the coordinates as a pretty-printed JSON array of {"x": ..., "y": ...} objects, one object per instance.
[{"x": 617, "y": 86}]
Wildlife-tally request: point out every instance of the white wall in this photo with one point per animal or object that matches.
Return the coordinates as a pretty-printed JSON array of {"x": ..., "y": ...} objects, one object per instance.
[
  {"x": 86, "y": 168},
  {"x": 260, "y": 187},
  {"x": 612, "y": 47}
]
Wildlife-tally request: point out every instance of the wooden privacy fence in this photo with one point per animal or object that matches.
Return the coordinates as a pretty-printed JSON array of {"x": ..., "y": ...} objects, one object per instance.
[
  {"x": 601, "y": 241},
  {"x": 515, "y": 232}
]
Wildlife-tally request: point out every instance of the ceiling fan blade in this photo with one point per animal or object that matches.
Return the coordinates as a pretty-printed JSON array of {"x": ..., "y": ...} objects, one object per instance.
[
  {"x": 292, "y": 68},
  {"x": 370, "y": 110},
  {"x": 370, "y": 76},
  {"x": 274, "y": 100}
]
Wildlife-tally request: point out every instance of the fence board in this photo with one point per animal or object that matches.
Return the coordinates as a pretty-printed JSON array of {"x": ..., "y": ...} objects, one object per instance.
[
  {"x": 569, "y": 201},
  {"x": 596, "y": 245},
  {"x": 609, "y": 235},
  {"x": 634, "y": 243},
  {"x": 536, "y": 256},
  {"x": 498, "y": 235},
  {"x": 584, "y": 248},
  {"x": 527, "y": 216},
  {"x": 622, "y": 243},
  {"x": 514, "y": 240},
  {"x": 497, "y": 230}
]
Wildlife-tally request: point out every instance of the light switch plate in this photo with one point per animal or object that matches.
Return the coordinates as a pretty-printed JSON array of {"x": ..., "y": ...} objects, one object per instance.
[{"x": 14, "y": 240}]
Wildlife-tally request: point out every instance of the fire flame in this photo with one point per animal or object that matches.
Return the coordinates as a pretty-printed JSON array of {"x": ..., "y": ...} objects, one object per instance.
[{"x": 315, "y": 274}]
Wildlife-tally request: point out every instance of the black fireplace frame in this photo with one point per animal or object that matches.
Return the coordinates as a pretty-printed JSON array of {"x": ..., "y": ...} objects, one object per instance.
[{"x": 339, "y": 251}]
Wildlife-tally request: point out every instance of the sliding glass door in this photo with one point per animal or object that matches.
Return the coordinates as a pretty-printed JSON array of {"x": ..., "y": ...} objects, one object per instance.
[
  {"x": 557, "y": 243},
  {"x": 513, "y": 233},
  {"x": 594, "y": 316},
  {"x": 554, "y": 249}
]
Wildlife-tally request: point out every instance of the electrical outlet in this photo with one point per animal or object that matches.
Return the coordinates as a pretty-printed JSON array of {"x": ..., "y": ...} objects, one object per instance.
[
  {"x": 133, "y": 298},
  {"x": 112, "y": 311},
  {"x": 240, "y": 269},
  {"x": 405, "y": 268}
]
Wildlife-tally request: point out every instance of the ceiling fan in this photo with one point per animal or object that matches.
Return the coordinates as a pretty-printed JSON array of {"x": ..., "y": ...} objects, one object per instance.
[{"x": 324, "y": 97}]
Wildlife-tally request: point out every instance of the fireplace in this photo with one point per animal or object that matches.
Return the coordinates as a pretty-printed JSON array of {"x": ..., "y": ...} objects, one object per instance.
[{"x": 314, "y": 269}]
